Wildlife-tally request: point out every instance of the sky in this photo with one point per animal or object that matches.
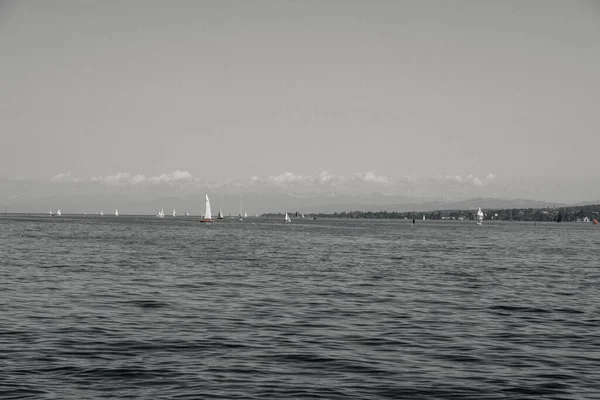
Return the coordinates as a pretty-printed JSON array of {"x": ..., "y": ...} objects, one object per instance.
[{"x": 469, "y": 98}]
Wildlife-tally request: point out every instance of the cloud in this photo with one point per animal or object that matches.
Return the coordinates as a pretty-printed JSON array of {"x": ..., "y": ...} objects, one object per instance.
[
  {"x": 291, "y": 179},
  {"x": 173, "y": 177},
  {"x": 321, "y": 182},
  {"x": 323, "y": 179},
  {"x": 468, "y": 180},
  {"x": 370, "y": 176},
  {"x": 65, "y": 177},
  {"x": 129, "y": 179}
]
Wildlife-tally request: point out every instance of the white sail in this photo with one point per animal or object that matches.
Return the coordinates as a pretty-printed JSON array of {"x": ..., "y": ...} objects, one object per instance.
[
  {"x": 423, "y": 217},
  {"x": 161, "y": 213},
  {"x": 174, "y": 213},
  {"x": 116, "y": 213},
  {"x": 479, "y": 216},
  {"x": 207, "y": 213},
  {"x": 220, "y": 214},
  {"x": 187, "y": 215},
  {"x": 101, "y": 212},
  {"x": 245, "y": 214},
  {"x": 58, "y": 212},
  {"x": 287, "y": 218}
]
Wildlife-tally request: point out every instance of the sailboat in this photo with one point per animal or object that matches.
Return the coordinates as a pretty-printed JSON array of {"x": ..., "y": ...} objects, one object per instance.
[
  {"x": 207, "y": 213},
  {"x": 245, "y": 214},
  {"x": 116, "y": 213},
  {"x": 287, "y": 218},
  {"x": 58, "y": 213},
  {"x": 101, "y": 212},
  {"x": 220, "y": 216},
  {"x": 174, "y": 213},
  {"x": 187, "y": 215},
  {"x": 161, "y": 213},
  {"x": 423, "y": 217},
  {"x": 241, "y": 207},
  {"x": 479, "y": 216}
]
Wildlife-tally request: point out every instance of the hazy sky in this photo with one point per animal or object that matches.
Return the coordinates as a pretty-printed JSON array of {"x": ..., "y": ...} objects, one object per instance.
[{"x": 236, "y": 89}]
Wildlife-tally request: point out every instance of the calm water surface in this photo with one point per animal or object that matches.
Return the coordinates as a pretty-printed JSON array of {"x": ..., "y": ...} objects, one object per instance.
[{"x": 140, "y": 307}]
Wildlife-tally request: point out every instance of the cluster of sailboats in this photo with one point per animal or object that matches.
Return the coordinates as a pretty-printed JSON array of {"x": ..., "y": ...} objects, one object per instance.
[{"x": 206, "y": 215}]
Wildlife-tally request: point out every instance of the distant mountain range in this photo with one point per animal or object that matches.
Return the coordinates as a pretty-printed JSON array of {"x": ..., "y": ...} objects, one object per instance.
[
  {"x": 253, "y": 203},
  {"x": 470, "y": 204}
]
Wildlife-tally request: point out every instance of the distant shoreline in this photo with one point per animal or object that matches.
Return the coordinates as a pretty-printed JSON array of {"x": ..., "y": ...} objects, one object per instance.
[{"x": 547, "y": 214}]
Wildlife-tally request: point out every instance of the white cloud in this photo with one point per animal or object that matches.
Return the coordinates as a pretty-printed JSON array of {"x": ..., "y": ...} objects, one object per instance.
[
  {"x": 126, "y": 178},
  {"x": 63, "y": 177},
  {"x": 468, "y": 180},
  {"x": 321, "y": 181},
  {"x": 476, "y": 181},
  {"x": 291, "y": 179},
  {"x": 370, "y": 176},
  {"x": 173, "y": 177}
]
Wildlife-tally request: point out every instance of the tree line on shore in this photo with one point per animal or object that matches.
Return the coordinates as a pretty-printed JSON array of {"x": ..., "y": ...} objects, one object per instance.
[{"x": 562, "y": 214}]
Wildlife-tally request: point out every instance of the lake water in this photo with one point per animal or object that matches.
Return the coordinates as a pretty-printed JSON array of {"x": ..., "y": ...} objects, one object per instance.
[{"x": 141, "y": 307}]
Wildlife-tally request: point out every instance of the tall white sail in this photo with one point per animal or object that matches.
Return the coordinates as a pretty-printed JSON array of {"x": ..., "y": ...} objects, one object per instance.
[
  {"x": 101, "y": 212},
  {"x": 220, "y": 216},
  {"x": 116, "y": 213},
  {"x": 207, "y": 213},
  {"x": 287, "y": 218},
  {"x": 174, "y": 213},
  {"x": 58, "y": 212},
  {"x": 161, "y": 213},
  {"x": 479, "y": 216}
]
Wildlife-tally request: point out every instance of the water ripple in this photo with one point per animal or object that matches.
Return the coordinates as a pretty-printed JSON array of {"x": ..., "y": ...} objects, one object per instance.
[{"x": 148, "y": 308}]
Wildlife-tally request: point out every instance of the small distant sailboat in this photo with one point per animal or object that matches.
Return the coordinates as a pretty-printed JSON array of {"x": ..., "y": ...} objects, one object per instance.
[
  {"x": 241, "y": 207},
  {"x": 101, "y": 212},
  {"x": 287, "y": 218},
  {"x": 116, "y": 213},
  {"x": 58, "y": 213},
  {"x": 423, "y": 217},
  {"x": 161, "y": 213},
  {"x": 245, "y": 214},
  {"x": 207, "y": 213},
  {"x": 51, "y": 213},
  {"x": 479, "y": 216},
  {"x": 187, "y": 215},
  {"x": 220, "y": 216},
  {"x": 174, "y": 213}
]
